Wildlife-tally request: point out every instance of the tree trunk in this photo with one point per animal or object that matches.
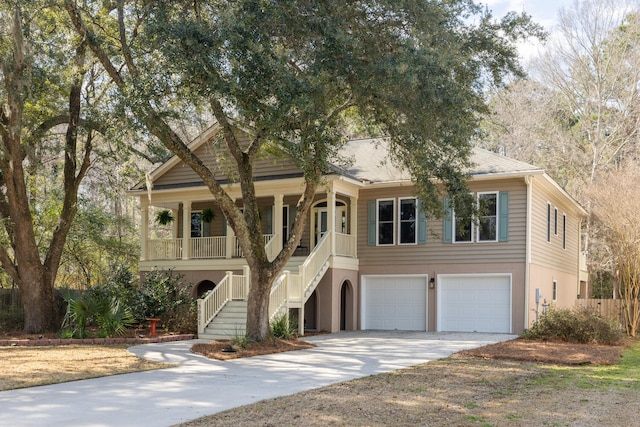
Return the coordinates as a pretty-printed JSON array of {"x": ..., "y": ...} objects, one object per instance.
[
  {"x": 258, "y": 305},
  {"x": 38, "y": 300}
]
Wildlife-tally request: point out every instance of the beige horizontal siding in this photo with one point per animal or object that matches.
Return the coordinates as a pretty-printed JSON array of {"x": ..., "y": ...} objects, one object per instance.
[
  {"x": 435, "y": 251},
  {"x": 217, "y": 158},
  {"x": 551, "y": 254}
]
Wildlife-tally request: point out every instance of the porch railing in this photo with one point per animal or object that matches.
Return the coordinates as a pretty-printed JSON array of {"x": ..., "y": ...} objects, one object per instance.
[
  {"x": 204, "y": 248},
  {"x": 158, "y": 249},
  {"x": 238, "y": 249},
  {"x": 345, "y": 245},
  {"x": 209, "y": 247}
]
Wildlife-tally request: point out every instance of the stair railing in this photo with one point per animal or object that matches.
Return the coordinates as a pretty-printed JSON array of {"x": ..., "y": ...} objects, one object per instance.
[
  {"x": 212, "y": 303},
  {"x": 279, "y": 296},
  {"x": 316, "y": 261}
]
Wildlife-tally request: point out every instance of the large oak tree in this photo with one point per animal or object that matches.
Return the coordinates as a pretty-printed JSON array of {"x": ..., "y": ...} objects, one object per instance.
[
  {"x": 289, "y": 72},
  {"x": 45, "y": 75}
]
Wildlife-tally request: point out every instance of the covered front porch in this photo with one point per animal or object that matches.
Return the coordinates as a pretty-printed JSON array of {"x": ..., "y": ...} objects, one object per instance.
[{"x": 197, "y": 229}]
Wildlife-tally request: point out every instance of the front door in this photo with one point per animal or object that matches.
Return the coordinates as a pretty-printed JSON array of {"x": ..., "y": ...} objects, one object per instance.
[{"x": 320, "y": 220}]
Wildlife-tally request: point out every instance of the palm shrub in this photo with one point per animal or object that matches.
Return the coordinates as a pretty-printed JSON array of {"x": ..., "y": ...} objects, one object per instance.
[
  {"x": 110, "y": 315},
  {"x": 113, "y": 318},
  {"x": 578, "y": 325},
  {"x": 79, "y": 313},
  {"x": 283, "y": 327}
]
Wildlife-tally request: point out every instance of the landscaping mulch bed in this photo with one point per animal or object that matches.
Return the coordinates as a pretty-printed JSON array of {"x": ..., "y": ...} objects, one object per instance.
[
  {"x": 224, "y": 350},
  {"x": 549, "y": 352}
]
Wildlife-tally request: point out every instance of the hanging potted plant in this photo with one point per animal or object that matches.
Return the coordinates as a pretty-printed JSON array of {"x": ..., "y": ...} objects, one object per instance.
[
  {"x": 208, "y": 215},
  {"x": 164, "y": 217}
]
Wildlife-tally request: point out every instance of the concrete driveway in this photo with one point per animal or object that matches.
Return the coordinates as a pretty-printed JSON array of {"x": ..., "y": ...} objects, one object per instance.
[{"x": 199, "y": 386}]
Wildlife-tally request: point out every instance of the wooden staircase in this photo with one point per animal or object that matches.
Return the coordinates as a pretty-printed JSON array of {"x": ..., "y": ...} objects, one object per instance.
[
  {"x": 222, "y": 314},
  {"x": 229, "y": 323}
]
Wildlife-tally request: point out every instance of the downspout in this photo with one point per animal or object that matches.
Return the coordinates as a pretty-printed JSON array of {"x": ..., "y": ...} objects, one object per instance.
[{"x": 529, "y": 181}]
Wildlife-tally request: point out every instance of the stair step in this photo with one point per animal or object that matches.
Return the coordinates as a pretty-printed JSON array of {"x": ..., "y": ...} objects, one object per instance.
[{"x": 230, "y": 322}]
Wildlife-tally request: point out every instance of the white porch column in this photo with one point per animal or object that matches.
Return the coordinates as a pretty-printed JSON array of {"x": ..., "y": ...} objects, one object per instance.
[
  {"x": 278, "y": 201},
  {"x": 186, "y": 229},
  {"x": 174, "y": 225},
  {"x": 144, "y": 232},
  {"x": 331, "y": 219},
  {"x": 353, "y": 215},
  {"x": 230, "y": 242}
]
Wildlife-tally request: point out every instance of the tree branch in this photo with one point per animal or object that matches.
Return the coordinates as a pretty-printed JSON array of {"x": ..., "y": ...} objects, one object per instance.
[
  {"x": 227, "y": 131},
  {"x": 126, "y": 51},
  {"x": 90, "y": 37}
]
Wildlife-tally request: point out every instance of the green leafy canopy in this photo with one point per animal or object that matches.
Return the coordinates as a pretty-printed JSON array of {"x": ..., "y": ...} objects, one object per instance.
[{"x": 294, "y": 71}]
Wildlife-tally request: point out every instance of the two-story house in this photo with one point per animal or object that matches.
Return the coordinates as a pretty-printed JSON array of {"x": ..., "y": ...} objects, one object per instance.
[{"x": 370, "y": 258}]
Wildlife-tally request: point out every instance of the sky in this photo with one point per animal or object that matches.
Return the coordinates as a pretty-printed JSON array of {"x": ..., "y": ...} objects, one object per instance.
[{"x": 543, "y": 12}]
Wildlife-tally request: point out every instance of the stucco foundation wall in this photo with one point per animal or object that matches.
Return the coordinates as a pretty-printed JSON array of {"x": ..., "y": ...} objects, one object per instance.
[
  {"x": 328, "y": 300},
  {"x": 542, "y": 277},
  {"x": 517, "y": 271}
]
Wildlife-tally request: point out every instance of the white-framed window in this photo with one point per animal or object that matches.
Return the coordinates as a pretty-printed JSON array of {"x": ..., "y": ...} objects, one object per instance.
[
  {"x": 385, "y": 220},
  {"x": 196, "y": 224},
  {"x": 548, "y": 222},
  {"x": 488, "y": 217},
  {"x": 462, "y": 229},
  {"x": 555, "y": 221},
  {"x": 485, "y": 229},
  {"x": 407, "y": 221},
  {"x": 554, "y": 291}
]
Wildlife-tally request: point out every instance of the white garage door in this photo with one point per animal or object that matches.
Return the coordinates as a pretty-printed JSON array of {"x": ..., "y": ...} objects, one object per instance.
[
  {"x": 474, "y": 303},
  {"x": 394, "y": 302}
]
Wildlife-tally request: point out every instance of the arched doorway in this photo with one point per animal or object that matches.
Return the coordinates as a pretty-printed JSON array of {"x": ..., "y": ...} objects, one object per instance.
[
  {"x": 346, "y": 306},
  {"x": 204, "y": 287},
  {"x": 310, "y": 318}
]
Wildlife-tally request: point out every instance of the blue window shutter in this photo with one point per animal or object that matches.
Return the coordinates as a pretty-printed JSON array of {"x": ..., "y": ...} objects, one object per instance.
[
  {"x": 372, "y": 223},
  {"x": 503, "y": 201},
  {"x": 422, "y": 223},
  {"x": 268, "y": 220},
  {"x": 447, "y": 226}
]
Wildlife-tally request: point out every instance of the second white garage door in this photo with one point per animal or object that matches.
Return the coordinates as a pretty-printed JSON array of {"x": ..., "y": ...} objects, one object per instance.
[
  {"x": 394, "y": 302},
  {"x": 470, "y": 303}
]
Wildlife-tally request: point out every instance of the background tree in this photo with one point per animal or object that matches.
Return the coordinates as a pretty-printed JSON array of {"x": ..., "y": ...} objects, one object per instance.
[
  {"x": 578, "y": 117},
  {"x": 52, "y": 104},
  {"x": 289, "y": 72},
  {"x": 615, "y": 204}
]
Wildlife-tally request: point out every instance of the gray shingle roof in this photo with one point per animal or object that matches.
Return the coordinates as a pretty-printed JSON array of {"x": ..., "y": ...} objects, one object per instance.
[{"x": 371, "y": 162}]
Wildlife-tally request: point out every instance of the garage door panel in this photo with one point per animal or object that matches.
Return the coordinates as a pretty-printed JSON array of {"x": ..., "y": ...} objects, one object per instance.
[
  {"x": 474, "y": 303},
  {"x": 394, "y": 302}
]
